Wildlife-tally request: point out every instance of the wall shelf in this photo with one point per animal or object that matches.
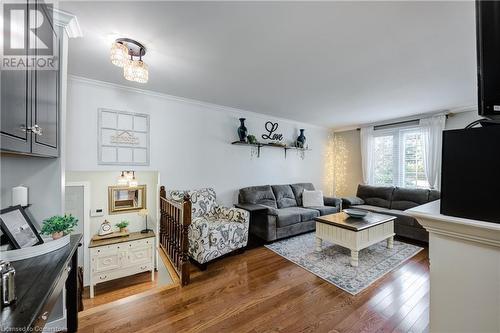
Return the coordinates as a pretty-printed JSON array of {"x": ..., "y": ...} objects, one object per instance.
[{"x": 260, "y": 145}]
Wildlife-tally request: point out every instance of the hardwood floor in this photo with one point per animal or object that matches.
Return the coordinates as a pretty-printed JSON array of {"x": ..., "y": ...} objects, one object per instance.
[
  {"x": 259, "y": 291},
  {"x": 110, "y": 291},
  {"x": 114, "y": 290}
]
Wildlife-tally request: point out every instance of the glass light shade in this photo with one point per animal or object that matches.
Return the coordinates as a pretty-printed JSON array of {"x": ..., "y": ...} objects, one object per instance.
[
  {"x": 119, "y": 54},
  {"x": 143, "y": 212},
  {"x": 129, "y": 175},
  {"x": 136, "y": 70},
  {"x": 122, "y": 181}
]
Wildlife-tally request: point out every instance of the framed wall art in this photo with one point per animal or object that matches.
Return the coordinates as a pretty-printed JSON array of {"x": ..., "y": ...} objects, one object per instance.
[
  {"x": 123, "y": 138},
  {"x": 18, "y": 227}
]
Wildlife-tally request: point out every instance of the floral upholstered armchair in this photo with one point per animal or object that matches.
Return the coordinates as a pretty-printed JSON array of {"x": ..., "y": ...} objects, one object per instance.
[{"x": 214, "y": 230}]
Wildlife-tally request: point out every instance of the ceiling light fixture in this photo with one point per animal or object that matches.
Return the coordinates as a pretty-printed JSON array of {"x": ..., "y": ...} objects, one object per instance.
[{"x": 124, "y": 53}]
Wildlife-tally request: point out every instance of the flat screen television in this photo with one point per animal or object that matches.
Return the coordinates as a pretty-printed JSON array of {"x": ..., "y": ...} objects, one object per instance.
[{"x": 488, "y": 57}]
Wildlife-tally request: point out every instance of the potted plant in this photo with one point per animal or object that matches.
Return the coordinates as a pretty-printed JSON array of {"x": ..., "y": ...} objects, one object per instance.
[
  {"x": 58, "y": 225},
  {"x": 252, "y": 139},
  {"x": 122, "y": 225}
]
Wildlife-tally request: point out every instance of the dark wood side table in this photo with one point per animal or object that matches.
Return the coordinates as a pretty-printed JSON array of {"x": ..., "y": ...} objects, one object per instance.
[
  {"x": 255, "y": 211},
  {"x": 252, "y": 209},
  {"x": 39, "y": 283}
]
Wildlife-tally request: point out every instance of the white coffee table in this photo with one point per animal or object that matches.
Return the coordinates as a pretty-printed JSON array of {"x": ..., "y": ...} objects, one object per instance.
[{"x": 354, "y": 233}]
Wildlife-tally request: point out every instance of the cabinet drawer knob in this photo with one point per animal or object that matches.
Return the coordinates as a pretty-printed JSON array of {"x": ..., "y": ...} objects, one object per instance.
[{"x": 35, "y": 129}]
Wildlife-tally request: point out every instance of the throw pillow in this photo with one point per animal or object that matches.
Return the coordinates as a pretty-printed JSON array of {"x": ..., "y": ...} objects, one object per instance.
[
  {"x": 312, "y": 198},
  {"x": 354, "y": 201}
]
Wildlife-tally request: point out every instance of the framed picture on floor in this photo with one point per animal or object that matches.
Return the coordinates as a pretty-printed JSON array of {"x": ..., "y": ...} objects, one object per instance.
[{"x": 18, "y": 228}]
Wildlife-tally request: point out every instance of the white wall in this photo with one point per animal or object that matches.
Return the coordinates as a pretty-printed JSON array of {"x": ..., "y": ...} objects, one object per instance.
[
  {"x": 462, "y": 119},
  {"x": 42, "y": 177},
  {"x": 190, "y": 141}
]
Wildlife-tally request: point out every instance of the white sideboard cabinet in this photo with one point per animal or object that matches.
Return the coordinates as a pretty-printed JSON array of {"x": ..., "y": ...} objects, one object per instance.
[{"x": 119, "y": 257}]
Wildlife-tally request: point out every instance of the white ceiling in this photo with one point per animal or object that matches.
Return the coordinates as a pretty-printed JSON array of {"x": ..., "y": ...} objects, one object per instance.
[{"x": 328, "y": 63}]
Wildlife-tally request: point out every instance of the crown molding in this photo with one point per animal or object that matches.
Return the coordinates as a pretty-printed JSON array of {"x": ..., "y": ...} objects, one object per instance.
[
  {"x": 217, "y": 107},
  {"x": 448, "y": 112},
  {"x": 69, "y": 22},
  {"x": 345, "y": 129},
  {"x": 463, "y": 109}
]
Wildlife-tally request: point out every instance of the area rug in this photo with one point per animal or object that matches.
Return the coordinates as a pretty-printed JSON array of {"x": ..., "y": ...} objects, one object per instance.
[{"x": 332, "y": 263}]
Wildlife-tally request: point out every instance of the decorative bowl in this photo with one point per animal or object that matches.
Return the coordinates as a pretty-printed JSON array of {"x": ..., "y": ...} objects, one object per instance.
[{"x": 356, "y": 213}]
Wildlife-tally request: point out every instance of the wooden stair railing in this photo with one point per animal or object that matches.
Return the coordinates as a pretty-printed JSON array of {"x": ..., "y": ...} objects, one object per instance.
[{"x": 175, "y": 218}]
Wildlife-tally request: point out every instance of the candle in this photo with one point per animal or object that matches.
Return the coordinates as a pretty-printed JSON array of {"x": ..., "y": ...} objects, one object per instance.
[{"x": 20, "y": 196}]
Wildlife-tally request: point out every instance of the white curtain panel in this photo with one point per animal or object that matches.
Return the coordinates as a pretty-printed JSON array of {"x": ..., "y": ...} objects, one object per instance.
[
  {"x": 367, "y": 147},
  {"x": 432, "y": 135}
]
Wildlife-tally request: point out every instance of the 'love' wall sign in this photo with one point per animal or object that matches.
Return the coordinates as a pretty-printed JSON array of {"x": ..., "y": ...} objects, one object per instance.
[{"x": 271, "y": 128}]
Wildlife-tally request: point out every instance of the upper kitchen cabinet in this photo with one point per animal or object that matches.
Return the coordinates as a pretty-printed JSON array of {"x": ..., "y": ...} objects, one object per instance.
[
  {"x": 31, "y": 95},
  {"x": 15, "y": 111}
]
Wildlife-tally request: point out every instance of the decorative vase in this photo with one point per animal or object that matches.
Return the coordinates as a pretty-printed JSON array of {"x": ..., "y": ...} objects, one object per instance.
[
  {"x": 57, "y": 235},
  {"x": 242, "y": 131},
  {"x": 301, "y": 140},
  {"x": 122, "y": 230}
]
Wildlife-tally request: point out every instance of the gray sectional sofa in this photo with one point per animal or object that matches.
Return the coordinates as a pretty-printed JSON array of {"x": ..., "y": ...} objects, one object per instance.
[
  {"x": 277, "y": 211},
  {"x": 394, "y": 201}
]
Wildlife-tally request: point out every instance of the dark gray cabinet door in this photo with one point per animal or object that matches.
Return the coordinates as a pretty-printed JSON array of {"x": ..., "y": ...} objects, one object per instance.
[
  {"x": 15, "y": 111},
  {"x": 30, "y": 98},
  {"x": 15, "y": 108},
  {"x": 46, "y": 113},
  {"x": 45, "y": 106}
]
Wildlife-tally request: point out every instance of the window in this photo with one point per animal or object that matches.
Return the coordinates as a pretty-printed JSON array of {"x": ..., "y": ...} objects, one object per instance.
[
  {"x": 413, "y": 160},
  {"x": 383, "y": 173},
  {"x": 398, "y": 158}
]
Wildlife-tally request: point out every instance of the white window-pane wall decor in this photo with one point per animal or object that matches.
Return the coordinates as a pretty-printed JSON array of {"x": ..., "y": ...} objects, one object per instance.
[{"x": 123, "y": 138}]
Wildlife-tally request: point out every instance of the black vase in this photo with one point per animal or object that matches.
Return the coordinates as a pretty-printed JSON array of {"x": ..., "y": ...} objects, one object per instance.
[
  {"x": 242, "y": 131},
  {"x": 301, "y": 140}
]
